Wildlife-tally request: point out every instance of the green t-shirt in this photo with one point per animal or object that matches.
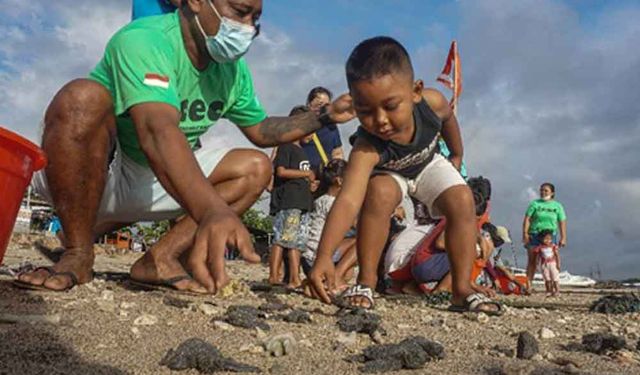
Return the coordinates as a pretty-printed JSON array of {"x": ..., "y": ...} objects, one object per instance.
[
  {"x": 146, "y": 61},
  {"x": 545, "y": 215}
]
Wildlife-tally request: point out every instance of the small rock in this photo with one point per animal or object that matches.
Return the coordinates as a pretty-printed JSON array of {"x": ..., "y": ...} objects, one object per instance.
[
  {"x": 548, "y": 356},
  {"x": 208, "y": 309},
  {"x": 106, "y": 306},
  {"x": 127, "y": 305},
  {"x": 251, "y": 348},
  {"x": 537, "y": 357},
  {"x": 346, "y": 340},
  {"x": 482, "y": 318},
  {"x": 280, "y": 345},
  {"x": 222, "y": 325},
  {"x": 376, "y": 337},
  {"x": 625, "y": 357},
  {"x": 545, "y": 333},
  {"x": 107, "y": 295},
  {"x": 297, "y": 316},
  {"x": 176, "y": 302},
  {"x": 123, "y": 313},
  {"x": 305, "y": 342},
  {"x": 135, "y": 331},
  {"x": 260, "y": 333},
  {"x": 527, "y": 346},
  {"x": 145, "y": 320},
  {"x": 601, "y": 342}
]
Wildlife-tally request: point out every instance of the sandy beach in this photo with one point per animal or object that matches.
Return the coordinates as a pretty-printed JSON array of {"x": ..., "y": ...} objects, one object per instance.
[{"x": 108, "y": 327}]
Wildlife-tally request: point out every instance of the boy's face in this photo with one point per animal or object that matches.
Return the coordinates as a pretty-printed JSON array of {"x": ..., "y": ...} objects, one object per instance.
[
  {"x": 384, "y": 105},
  {"x": 547, "y": 240}
]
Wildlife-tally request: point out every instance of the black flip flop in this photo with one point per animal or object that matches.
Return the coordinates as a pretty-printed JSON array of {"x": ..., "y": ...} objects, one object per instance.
[
  {"x": 28, "y": 286},
  {"x": 167, "y": 285}
]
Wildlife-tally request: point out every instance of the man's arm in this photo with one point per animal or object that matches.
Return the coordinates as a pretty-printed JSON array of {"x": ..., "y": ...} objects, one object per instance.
[
  {"x": 450, "y": 128},
  {"x": 275, "y": 130},
  {"x": 563, "y": 233},
  {"x": 171, "y": 158}
]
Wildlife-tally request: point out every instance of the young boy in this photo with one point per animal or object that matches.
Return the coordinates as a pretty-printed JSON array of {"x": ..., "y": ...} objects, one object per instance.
[
  {"x": 395, "y": 153},
  {"x": 291, "y": 202},
  {"x": 549, "y": 261}
]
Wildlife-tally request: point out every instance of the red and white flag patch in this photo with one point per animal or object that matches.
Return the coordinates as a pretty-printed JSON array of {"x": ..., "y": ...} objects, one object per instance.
[{"x": 157, "y": 80}]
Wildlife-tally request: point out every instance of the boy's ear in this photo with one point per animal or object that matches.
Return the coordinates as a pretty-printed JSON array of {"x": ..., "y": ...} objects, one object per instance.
[
  {"x": 194, "y": 5},
  {"x": 418, "y": 87}
]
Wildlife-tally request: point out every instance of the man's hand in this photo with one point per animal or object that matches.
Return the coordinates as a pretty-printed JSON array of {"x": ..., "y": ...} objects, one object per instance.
[
  {"x": 341, "y": 110},
  {"x": 219, "y": 228},
  {"x": 525, "y": 239},
  {"x": 323, "y": 279},
  {"x": 562, "y": 243}
]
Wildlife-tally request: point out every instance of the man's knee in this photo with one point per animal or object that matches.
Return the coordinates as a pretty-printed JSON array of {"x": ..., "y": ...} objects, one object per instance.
[
  {"x": 260, "y": 170},
  {"x": 383, "y": 193},
  {"x": 79, "y": 109}
]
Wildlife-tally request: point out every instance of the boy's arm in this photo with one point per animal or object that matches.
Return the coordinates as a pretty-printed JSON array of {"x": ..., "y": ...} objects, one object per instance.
[
  {"x": 450, "y": 128},
  {"x": 287, "y": 173},
  {"x": 344, "y": 211}
]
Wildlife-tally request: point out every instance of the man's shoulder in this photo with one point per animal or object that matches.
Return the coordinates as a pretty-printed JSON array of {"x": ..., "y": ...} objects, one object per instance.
[{"x": 148, "y": 33}]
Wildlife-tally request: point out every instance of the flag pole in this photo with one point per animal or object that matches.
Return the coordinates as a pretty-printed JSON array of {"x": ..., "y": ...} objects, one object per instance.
[{"x": 455, "y": 80}]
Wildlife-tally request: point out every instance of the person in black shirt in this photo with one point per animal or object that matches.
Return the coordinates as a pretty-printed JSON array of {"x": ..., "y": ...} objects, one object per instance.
[
  {"x": 395, "y": 154},
  {"x": 291, "y": 202}
]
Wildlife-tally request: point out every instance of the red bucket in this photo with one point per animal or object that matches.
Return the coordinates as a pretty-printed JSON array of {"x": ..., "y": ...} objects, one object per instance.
[{"x": 19, "y": 158}]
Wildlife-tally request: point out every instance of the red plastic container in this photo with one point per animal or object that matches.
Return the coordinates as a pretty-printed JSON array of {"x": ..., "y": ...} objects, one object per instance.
[{"x": 19, "y": 158}]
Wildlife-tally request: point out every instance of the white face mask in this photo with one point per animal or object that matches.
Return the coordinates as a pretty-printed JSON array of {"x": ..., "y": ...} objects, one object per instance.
[
  {"x": 232, "y": 40},
  {"x": 547, "y": 197}
]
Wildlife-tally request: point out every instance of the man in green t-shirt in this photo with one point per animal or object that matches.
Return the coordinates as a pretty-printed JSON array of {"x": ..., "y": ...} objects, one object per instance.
[{"x": 162, "y": 82}]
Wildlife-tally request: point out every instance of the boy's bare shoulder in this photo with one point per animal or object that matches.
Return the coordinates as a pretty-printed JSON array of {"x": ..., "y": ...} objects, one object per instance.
[{"x": 437, "y": 101}]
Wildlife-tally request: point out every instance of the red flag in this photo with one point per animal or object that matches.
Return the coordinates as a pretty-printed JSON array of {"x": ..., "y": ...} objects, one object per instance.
[{"x": 451, "y": 75}]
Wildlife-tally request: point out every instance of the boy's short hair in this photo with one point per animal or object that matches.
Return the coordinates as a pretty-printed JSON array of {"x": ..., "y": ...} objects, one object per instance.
[
  {"x": 544, "y": 233},
  {"x": 376, "y": 57},
  {"x": 334, "y": 169},
  {"x": 298, "y": 110}
]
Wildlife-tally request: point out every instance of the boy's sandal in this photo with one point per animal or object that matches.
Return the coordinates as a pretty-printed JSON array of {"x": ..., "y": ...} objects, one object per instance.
[
  {"x": 474, "y": 303},
  {"x": 358, "y": 290}
]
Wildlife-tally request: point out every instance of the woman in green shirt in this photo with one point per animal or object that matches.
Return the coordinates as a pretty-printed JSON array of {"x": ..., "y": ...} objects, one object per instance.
[{"x": 543, "y": 214}]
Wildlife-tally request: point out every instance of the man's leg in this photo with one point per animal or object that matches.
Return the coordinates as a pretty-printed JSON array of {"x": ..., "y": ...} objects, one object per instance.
[
  {"x": 239, "y": 178},
  {"x": 78, "y": 135},
  {"x": 531, "y": 266},
  {"x": 383, "y": 196}
]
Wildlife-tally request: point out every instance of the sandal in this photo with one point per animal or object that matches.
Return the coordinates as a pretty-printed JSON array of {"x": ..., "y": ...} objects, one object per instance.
[
  {"x": 168, "y": 285},
  {"x": 25, "y": 285},
  {"x": 474, "y": 302},
  {"x": 357, "y": 290}
]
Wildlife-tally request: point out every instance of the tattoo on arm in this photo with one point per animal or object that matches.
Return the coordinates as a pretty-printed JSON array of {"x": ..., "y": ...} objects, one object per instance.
[{"x": 277, "y": 130}]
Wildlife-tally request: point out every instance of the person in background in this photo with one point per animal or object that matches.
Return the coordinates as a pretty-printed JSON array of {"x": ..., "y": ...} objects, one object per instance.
[
  {"x": 291, "y": 202},
  {"x": 145, "y": 8},
  {"x": 345, "y": 255},
  {"x": 549, "y": 262},
  {"x": 545, "y": 213},
  {"x": 329, "y": 136}
]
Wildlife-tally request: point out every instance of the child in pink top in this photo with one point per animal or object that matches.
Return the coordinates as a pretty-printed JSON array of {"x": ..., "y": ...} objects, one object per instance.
[{"x": 549, "y": 261}]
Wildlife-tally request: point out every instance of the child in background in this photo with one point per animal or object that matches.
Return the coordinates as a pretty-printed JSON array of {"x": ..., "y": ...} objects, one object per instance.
[
  {"x": 345, "y": 254},
  {"x": 291, "y": 202},
  {"x": 549, "y": 262},
  {"x": 396, "y": 154}
]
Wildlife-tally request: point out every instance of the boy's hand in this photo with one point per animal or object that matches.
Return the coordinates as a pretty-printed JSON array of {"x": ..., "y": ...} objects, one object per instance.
[
  {"x": 341, "y": 110},
  {"x": 323, "y": 279}
]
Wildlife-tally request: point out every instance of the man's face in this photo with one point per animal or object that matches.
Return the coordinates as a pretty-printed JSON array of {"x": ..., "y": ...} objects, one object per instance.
[
  {"x": 247, "y": 12},
  {"x": 545, "y": 192},
  {"x": 318, "y": 102},
  {"x": 384, "y": 105}
]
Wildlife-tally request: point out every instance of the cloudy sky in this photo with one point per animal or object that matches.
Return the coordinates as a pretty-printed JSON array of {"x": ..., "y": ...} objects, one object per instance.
[{"x": 551, "y": 91}]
